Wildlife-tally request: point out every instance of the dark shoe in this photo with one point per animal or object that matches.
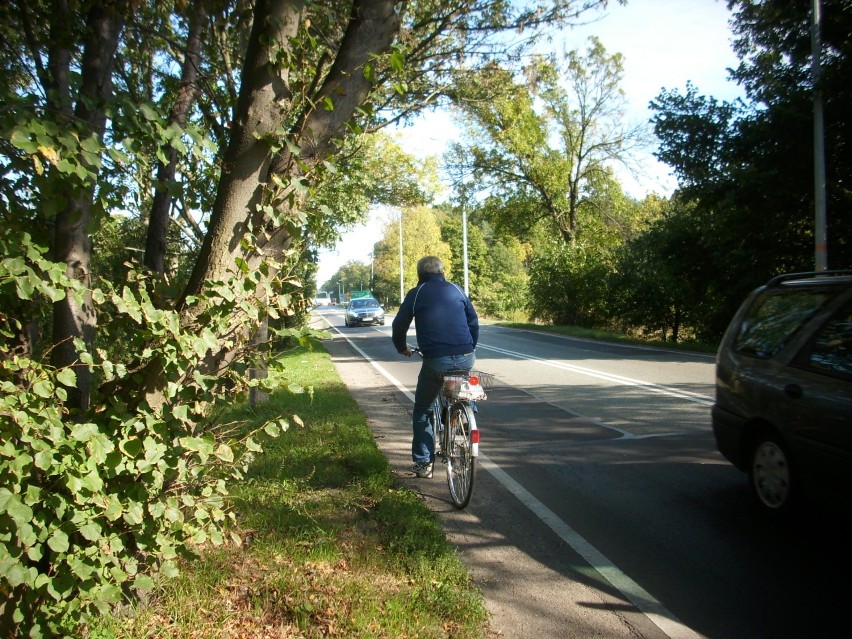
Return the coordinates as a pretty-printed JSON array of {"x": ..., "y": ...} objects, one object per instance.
[{"x": 423, "y": 470}]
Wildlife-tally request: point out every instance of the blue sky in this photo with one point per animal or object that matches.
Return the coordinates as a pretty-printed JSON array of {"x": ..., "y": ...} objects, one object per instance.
[{"x": 665, "y": 43}]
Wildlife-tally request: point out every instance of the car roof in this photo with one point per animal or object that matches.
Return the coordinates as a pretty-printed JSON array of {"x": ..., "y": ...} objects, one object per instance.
[{"x": 813, "y": 278}]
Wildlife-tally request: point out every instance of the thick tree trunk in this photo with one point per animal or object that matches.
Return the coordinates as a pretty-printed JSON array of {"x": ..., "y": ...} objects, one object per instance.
[
  {"x": 248, "y": 164},
  {"x": 72, "y": 318},
  {"x": 261, "y": 108},
  {"x": 158, "y": 224}
]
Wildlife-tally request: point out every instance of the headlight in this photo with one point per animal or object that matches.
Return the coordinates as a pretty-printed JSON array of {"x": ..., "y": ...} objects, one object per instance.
[{"x": 352, "y": 314}]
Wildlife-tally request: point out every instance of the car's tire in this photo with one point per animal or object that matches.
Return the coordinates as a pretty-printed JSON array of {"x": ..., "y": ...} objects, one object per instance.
[{"x": 772, "y": 476}]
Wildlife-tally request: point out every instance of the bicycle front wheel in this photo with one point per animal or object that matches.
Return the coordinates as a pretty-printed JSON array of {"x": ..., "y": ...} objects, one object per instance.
[{"x": 461, "y": 464}]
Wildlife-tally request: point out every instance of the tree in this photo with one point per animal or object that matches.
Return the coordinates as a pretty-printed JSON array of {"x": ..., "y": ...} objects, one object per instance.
[
  {"x": 528, "y": 177},
  {"x": 506, "y": 293},
  {"x": 421, "y": 235},
  {"x": 352, "y": 276},
  {"x": 660, "y": 281},
  {"x": 748, "y": 167}
]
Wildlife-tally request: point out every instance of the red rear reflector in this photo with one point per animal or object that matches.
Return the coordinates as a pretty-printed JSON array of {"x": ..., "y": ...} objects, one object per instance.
[
  {"x": 474, "y": 436},
  {"x": 473, "y": 379}
]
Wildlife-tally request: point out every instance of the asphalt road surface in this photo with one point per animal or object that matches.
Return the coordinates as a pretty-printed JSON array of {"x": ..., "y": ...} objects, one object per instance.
[{"x": 601, "y": 506}]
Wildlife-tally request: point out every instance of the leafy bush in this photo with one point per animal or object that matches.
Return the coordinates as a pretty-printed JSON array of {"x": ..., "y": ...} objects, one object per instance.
[
  {"x": 568, "y": 285},
  {"x": 91, "y": 507}
]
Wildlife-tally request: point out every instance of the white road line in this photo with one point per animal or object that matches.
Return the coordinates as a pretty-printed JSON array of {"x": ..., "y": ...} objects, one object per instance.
[
  {"x": 656, "y": 388},
  {"x": 633, "y": 592}
]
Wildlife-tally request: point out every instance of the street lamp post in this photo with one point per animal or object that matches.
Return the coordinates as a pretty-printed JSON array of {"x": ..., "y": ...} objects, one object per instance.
[
  {"x": 820, "y": 232},
  {"x": 464, "y": 249},
  {"x": 401, "y": 272}
]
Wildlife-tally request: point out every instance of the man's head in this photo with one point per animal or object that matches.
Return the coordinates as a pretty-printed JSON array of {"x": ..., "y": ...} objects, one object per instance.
[{"x": 429, "y": 265}]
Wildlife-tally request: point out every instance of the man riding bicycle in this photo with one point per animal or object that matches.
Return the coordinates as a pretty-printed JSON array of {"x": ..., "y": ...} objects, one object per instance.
[{"x": 447, "y": 329}]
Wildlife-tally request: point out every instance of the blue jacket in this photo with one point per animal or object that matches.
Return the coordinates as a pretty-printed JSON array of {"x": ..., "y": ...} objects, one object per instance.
[{"x": 446, "y": 322}]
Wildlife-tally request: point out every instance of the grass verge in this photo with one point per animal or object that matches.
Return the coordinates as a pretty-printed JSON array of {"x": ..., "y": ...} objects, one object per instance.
[
  {"x": 607, "y": 336},
  {"x": 332, "y": 548}
]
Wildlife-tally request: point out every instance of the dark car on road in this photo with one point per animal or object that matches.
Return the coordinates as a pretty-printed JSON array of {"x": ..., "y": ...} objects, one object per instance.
[
  {"x": 363, "y": 311},
  {"x": 783, "y": 410}
]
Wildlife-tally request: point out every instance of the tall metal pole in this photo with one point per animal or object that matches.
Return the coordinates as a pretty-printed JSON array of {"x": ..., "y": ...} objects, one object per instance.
[
  {"x": 820, "y": 230},
  {"x": 401, "y": 272},
  {"x": 464, "y": 249}
]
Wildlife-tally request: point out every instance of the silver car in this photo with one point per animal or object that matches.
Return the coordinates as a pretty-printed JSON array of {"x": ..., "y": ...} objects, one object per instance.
[{"x": 363, "y": 311}]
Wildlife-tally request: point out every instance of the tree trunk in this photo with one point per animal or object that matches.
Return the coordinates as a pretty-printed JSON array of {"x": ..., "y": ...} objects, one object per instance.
[
  {"x": 157, "y": 243},
  {"x": 72, "y": 318},
  {"x": 261, "y": 108}
]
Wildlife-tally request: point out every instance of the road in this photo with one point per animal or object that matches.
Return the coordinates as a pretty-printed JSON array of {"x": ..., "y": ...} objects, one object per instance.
[{"x": 602, "y": 507}]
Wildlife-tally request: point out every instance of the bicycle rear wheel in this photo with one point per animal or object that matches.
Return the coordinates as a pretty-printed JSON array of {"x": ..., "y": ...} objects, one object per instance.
[
  {"x": 438, "y": 426},
  {"x": 461, "y": 464}
]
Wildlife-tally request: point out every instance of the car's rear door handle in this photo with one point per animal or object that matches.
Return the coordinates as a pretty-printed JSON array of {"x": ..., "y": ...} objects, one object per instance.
[{"x": 793, "y": 390}]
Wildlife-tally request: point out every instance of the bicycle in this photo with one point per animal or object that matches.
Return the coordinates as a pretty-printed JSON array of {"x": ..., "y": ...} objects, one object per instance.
[{"x": 454, "y": 427}]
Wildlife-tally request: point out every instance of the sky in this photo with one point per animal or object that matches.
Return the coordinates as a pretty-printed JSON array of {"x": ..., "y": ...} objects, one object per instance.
[{"x": 665, "y": 43}]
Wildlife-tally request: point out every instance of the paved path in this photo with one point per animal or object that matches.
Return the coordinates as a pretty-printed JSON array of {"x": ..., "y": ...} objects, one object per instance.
[{"x": 533, "y": 586}]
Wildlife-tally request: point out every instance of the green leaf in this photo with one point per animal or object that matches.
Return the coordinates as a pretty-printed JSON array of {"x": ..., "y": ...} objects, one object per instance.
[
  {"x": 15, "y": 573},
  {"x": 24, "y": 287},
  {"x": 99, "y": 447},
  {"x": 370, "y": 72},
  {"x": 22, "y": 141},
  {"x": 44, "y": 459},
  {"x": 131, "y": 447},
  {"x": 113, "y": 509},
  {"x": 272, "y": 429},
  {"x": 203, "y": 445},
  {"x": 143, "y": 582},
  {"x": 148, "y": 112},
  {"x": 11, "y": 504},
  {"x": 225, "y": 453},
  {"x": 91, "y": 531},
  {"x": 135, "y": 514},
  {"x": 67, "y": 377},
  {"x": 43, "y": 388},
  {"x": 84, "y": 432},
  {"x": 93, "y": 482},
  {"x": 58, "y": 541},
  {"x": 26, "y": 535},
  {"x": 397, "y": 62},
  {"x": 170, "y": 569}
]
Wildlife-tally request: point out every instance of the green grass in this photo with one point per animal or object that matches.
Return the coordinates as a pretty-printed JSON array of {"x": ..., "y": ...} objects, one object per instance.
[
  {"x": 332, "y": 547},
  {"x": 607, "y": 336}
]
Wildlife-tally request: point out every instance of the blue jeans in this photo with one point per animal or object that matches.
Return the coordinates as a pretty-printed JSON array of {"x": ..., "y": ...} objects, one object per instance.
[{"x": 428, "y": 387}]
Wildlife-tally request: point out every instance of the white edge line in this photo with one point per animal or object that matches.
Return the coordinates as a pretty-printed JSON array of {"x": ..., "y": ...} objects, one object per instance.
[
  {"x": 393, "y": 380},
  {"x": 638, "y": 596},
  {"x": 663, "y": 390}
]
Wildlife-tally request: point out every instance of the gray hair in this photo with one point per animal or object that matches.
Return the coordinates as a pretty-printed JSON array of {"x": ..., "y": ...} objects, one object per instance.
[{"x": 429, "y": 265}]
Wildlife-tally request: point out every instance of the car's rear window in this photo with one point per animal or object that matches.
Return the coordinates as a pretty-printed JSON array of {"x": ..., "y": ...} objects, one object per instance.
[{"x": 774, "y": 318}]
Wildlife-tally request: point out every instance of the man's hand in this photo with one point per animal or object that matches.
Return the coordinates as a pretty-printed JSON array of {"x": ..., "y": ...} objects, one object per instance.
[{"x": 406, "y": 352}]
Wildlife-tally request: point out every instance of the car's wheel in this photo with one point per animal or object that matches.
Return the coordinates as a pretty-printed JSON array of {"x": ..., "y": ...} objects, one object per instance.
[{"x": 772, "y": 475}]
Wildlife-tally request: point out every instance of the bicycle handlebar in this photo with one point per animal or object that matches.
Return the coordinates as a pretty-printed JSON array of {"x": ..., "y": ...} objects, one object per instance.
[{"x": 415, "y": 349}]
